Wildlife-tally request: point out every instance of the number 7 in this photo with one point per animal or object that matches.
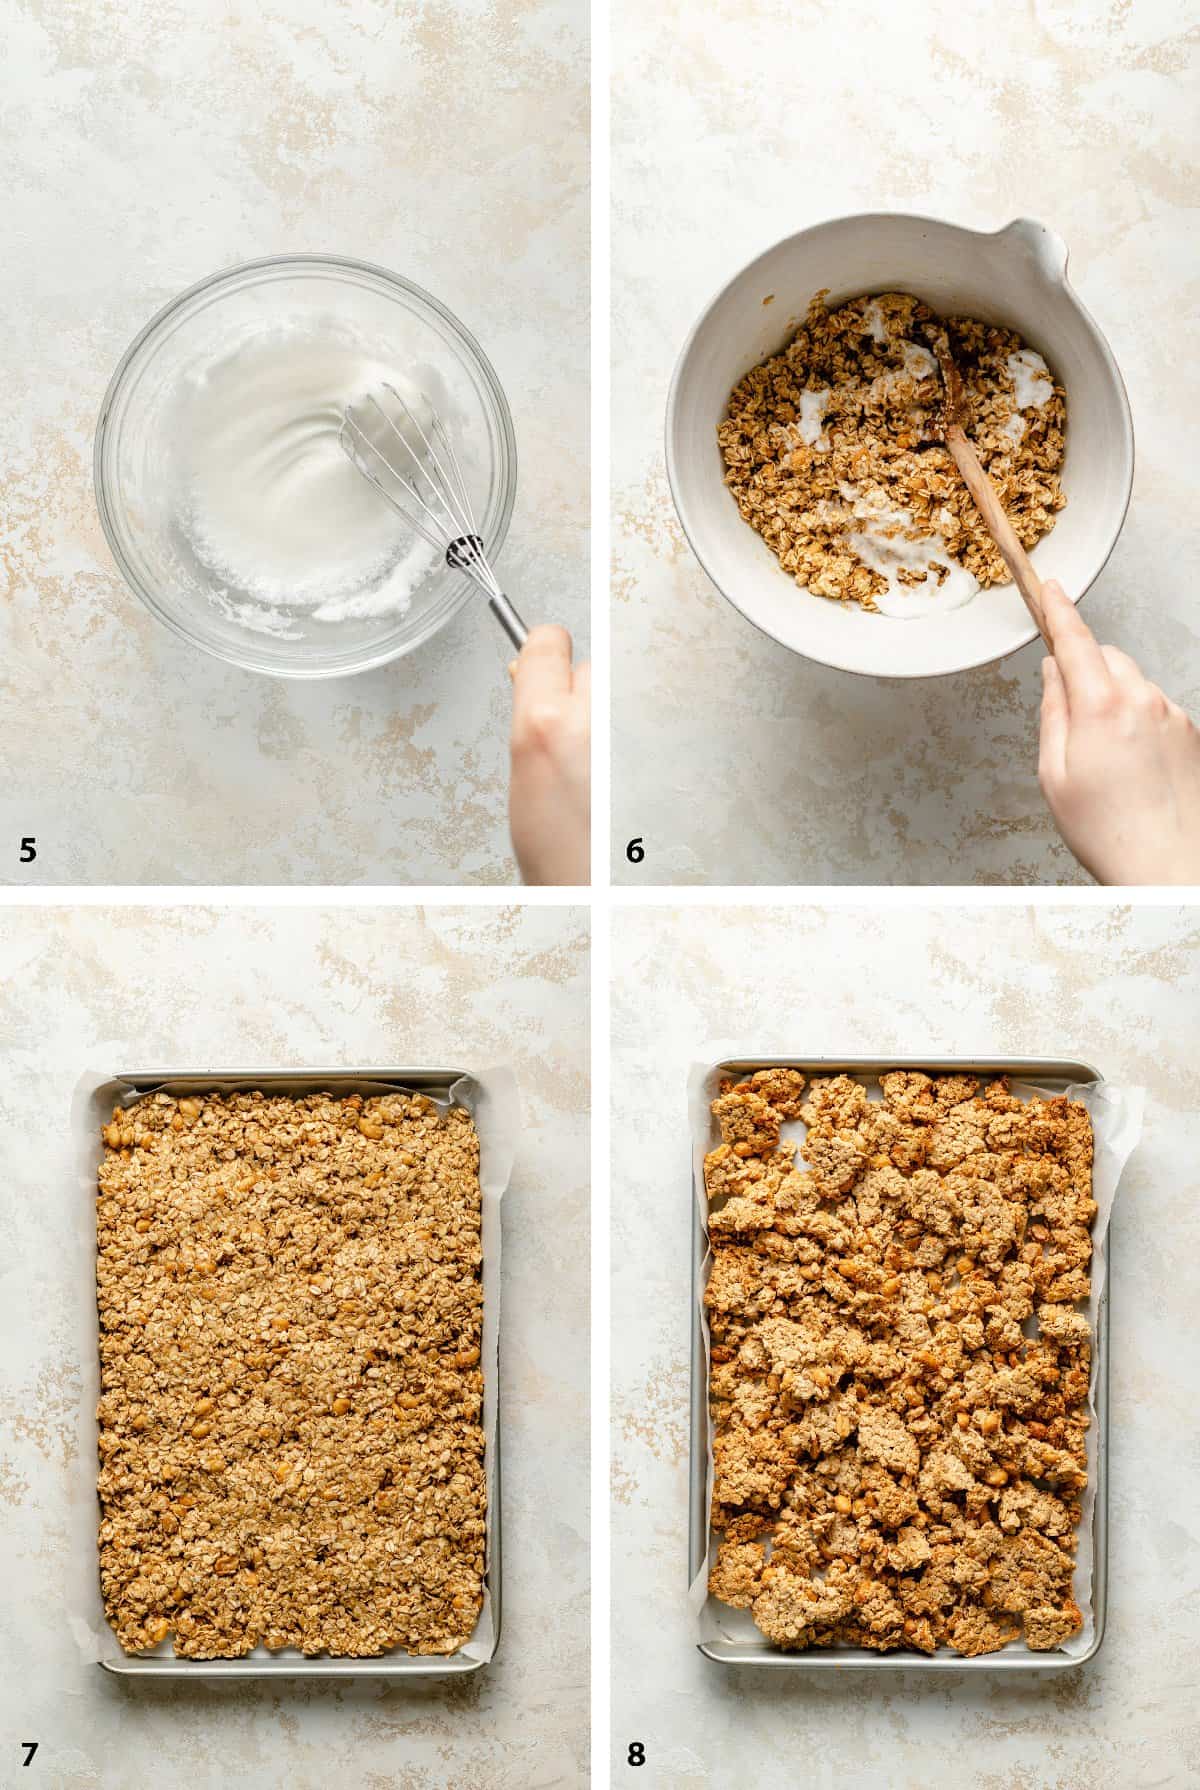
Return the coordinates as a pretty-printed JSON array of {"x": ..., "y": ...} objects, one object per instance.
[{"x": 31, "y": 1747}]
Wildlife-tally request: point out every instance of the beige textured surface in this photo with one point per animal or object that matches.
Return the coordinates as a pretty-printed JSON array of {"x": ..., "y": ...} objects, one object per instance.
[
  {"x": 737, "y": 761},
  {"x": 144, "y": 147},
  {"x": 1119, "y": 988},
  {"x": 135, "y": 988}
]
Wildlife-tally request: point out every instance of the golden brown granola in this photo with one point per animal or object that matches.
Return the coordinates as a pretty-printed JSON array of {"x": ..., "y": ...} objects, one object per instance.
[
  {"x": 290, "y": 1304},
  {"x": 834, "y": 454},
  {"x": 897, "y": 1463}
]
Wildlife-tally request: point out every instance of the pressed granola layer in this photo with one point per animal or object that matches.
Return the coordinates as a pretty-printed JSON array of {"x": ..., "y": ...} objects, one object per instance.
[
  {"x": 834, "y": 455},
  {"x": 897, "y": 1463},
  {"x": 290, "y": 1304}
]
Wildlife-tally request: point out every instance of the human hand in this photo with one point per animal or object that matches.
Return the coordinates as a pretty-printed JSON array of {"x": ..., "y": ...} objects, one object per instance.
[
  {"x": 549, "y": 801},
  {"x": 1119, "y": 763}
]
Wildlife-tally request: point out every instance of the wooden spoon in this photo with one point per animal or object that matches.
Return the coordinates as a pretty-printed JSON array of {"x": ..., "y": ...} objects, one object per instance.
[{"x": 987, "y": 500}]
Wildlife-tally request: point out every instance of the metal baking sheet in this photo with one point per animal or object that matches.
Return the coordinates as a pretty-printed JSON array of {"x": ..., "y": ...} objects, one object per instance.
[
  {"x": 1051, "y": 1073},
  {"x": 289, "y": 1663}
]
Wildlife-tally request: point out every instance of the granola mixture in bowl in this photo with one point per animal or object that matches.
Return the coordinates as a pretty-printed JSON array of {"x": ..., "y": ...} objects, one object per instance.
[{"x": 833, "y": 454}]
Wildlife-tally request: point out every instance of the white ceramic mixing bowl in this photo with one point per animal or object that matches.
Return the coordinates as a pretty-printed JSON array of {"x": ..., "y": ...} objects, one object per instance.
[{"x": 1016, "y": 277}]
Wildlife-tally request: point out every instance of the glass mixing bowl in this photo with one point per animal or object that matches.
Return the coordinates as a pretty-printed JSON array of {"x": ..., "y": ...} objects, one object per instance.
[{"x": 134, "y": 494}]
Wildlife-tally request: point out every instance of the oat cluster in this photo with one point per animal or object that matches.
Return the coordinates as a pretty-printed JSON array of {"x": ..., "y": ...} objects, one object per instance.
[
  {"x": 290, "y": 1305},
  {"x": 897, "y": 1463},
  {"x": 857, "y": 382}
]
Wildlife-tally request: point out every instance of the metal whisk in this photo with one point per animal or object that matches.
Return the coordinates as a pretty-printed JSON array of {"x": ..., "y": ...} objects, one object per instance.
[{"x": 435, "y": 501}]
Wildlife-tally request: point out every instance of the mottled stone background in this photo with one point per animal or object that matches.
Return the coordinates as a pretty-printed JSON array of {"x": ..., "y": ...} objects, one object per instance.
[
  {"x": 144, "y": 146},
  {"x": 737, "y": 761},
  {"x": 120, "y": 988},
  {"x": 1116, "y": 987}
]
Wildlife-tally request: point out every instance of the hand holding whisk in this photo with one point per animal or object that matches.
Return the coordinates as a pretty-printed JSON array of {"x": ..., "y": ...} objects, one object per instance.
[{"x": 416, "y": 470}]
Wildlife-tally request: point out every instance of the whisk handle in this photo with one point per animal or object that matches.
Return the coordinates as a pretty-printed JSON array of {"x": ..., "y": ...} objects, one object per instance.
[{"x": 508, "y": 618}]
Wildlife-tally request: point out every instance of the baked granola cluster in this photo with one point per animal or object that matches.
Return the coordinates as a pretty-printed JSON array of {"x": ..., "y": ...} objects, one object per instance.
[
  {"x": 840, "y": 433},
  {"x": 290, "y": 1305},
  {"x": 898, "y": 1463}
]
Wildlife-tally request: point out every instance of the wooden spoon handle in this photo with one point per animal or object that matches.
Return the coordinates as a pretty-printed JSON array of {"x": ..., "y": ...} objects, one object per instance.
[{"x": 998, "y": 526}]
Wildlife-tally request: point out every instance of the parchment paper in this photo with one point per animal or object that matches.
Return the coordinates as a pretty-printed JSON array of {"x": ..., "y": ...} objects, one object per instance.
[
  {"x": 1116, "y": 1115},
  {"x": 491, "y": 1098}
]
